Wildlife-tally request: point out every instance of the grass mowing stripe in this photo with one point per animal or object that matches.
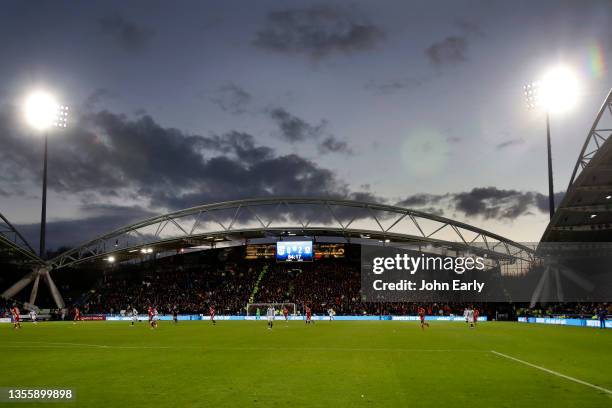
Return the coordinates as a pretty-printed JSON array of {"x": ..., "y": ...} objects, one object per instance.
[{"x": 567, "y": 377}]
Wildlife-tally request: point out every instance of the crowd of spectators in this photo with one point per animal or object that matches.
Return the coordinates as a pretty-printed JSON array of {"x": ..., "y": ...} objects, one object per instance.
[
  {"x": 190, "y": 289},
  {"x": 229, "y": 286},
  {"x": 578, "y": 310},
  {"x": 321, "y": 286}
]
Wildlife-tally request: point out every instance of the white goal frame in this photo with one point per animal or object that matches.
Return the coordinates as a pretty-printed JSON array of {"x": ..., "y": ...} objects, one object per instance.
[{"x": 277, "y": 306}]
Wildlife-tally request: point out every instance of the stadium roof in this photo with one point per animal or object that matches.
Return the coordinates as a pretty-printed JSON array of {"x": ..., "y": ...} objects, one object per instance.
[
  {"x": 244, "y": 221},
  {"x": 585, "y": 213},
  {"x": 13, "y": 245}
]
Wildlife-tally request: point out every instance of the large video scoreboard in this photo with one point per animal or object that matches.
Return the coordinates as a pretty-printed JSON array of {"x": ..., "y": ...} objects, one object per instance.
[
  {"x": 294, "y": 251},
  {"x": 319, "y": 251}
]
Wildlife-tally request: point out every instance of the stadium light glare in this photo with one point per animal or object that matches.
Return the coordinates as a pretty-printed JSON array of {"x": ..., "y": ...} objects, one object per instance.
[
  {"x": 558, "y": 90},
  {"x": 111, "y": 259},
  {"x": 42, "y": 111},
  {"x": 593, "y": 216},
  {"x": 608, "y": 197}
]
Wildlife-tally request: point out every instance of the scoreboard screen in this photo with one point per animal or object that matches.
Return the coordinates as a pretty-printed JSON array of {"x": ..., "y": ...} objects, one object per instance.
[{"x": 294, "y": 251}]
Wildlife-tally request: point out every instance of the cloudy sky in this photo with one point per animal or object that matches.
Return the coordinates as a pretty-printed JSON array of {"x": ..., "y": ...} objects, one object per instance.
[{"x": 184, "y": 103}]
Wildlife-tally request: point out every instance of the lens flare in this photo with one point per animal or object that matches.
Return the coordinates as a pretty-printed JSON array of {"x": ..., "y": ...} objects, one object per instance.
[
  {"x": 597, "y": 65},
  {"x": 424, "y": 152}
]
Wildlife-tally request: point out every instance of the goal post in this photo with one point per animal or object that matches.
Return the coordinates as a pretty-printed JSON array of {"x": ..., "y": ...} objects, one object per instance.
[{"x": 251, "y": 308}]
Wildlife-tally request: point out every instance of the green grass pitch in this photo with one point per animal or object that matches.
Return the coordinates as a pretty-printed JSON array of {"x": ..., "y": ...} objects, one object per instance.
[{"x": 328, "y": 364}]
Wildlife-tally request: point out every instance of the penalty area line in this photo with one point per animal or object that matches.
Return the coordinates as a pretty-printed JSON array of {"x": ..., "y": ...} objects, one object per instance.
[{"x": 549, "y": 371}]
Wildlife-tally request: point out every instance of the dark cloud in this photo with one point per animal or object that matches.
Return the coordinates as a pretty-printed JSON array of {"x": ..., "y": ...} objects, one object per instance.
[
  {"x": 367, "y": 197},
  {"x": 510, "y": 143},
  {"x": 542, "y": 201},
  {"x": 98, "y": 96},
  {"x": 332, "y": 145},
  {"x": 294, "y": 129},
  {"x": 127, "y": 34},
  {"x": 485, "y": 202},
  {"x": 420, "y": 200},
  {"x": 232, "y": 98},
  {"x": 491, "y": 202},
  {"x": 106, "y": 156},
  {"x": 317, "y": 31},
  {"x": 244, "y": 147},
  {"x": 98, "y": 219},
  {"x": 450, "y": 51}
]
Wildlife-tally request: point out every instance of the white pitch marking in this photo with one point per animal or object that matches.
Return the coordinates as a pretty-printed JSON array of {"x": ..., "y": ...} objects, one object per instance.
[
  {"x": 34, "y": 344},
  {"x": 546, "y": 370}
]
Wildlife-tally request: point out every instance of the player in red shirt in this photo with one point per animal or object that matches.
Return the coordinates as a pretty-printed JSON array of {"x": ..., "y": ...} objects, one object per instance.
[
  {"x": 77, "y": 315},
  {"x": 308, "y": 315},
  {"x": 421, "y": 313},
  {"x": 211, "y": 312},
  {"x": 150, "y": 311},
  {"x": 16, "y": 317},
  {"x": 154, "y": 318},
  {"x": 286, "y": 313},
  {"x": 476, "y": 313}
]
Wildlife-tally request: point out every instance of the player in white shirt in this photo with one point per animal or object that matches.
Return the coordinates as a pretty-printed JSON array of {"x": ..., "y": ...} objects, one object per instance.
[
  {"x": 270, "y": 315},
  {"x": 33, "y": 316},
  {"x": 470, "y": 317},
  {"x": 331, "y": 313},
  {"x": 134, "y": 315}
]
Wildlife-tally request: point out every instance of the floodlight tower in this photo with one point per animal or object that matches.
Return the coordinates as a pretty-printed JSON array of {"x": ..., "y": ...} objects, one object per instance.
[
  {"x": 42, "y": 113},
  {"x": 556, "y": 92}
]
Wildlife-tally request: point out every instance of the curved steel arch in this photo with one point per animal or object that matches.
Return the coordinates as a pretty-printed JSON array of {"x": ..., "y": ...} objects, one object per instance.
[
  {"x": 13, "y": 242},
  {"x": 585, "y": 212},
  {"x": 596, "y": 138},
  {"x": 241, "y": 219}
]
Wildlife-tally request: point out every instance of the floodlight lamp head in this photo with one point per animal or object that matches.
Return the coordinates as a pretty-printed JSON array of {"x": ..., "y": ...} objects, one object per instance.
[
  {"x": 40, "y": 110},
  {"x": 43, "y": 112}
]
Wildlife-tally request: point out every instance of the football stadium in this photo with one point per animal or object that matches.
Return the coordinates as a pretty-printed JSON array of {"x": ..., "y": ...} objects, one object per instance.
[{"x": 309, "y": 300}]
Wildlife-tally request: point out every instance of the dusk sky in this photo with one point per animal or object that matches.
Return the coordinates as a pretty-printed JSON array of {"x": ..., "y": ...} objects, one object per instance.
[{"x": 175, "y": 104}]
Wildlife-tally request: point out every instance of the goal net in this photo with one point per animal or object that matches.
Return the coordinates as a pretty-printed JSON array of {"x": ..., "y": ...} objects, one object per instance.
[{"x": 251, "y": 308}]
